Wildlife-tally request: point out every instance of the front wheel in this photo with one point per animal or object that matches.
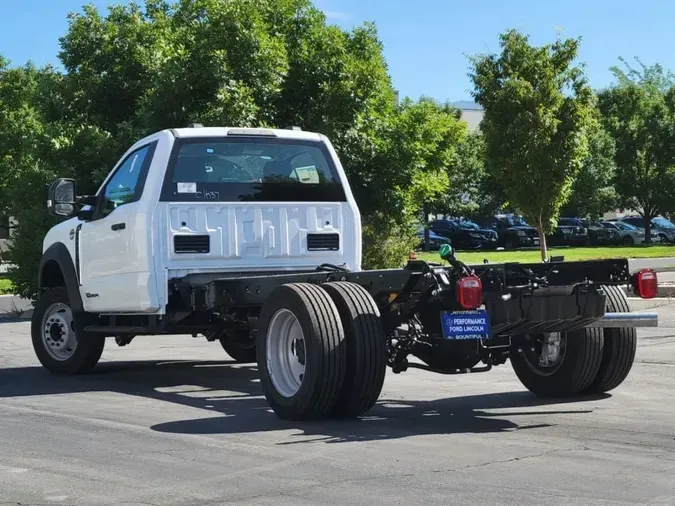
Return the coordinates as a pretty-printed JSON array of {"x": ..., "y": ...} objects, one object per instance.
[
  {"x": 239, "y": 345},
  {"x": 560, "y": 364},
  {"x": 60, "y": 346}
]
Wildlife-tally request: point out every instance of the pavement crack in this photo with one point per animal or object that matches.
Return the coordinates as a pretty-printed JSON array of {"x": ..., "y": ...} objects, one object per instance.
[
  {"x": 506, "y": 461},
  {"x": 654, "y": 362}
]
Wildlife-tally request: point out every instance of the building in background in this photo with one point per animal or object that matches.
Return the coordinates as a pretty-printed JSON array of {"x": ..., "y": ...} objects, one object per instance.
[{"x": 472, "y": 113}]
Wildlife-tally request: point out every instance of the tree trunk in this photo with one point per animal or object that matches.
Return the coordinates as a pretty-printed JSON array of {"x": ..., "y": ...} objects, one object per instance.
[
  {"x": 542, "y": 241},
  {"x": 427, "y": 242},
  {"x": 648, "y": 214}
]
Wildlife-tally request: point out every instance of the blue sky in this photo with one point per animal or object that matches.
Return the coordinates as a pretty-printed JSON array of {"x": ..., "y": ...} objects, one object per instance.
[{"x": 425, "y": 41}]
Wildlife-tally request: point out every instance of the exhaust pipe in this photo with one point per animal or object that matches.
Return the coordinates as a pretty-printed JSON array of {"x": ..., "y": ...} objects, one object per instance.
[{"x": 618, "y": 320}]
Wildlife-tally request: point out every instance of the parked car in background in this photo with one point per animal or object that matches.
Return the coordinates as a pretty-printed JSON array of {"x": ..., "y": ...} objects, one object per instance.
[
  {"x": 464, "y": 235},
  {"x": 435, "y": 240},
  {"x": 569, "y": 232},
  {"x": 513, "y": 231},
  {"x": 599, "y": 235},
  {"x": 630, "y": 234},
  {"x": 662, "y": 229}
]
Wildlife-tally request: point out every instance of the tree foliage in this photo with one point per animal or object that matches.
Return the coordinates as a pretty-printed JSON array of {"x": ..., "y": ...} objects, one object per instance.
[
  {"x": 639, "y": 114},
  {"x": 139, "y": 69},
  {"x": 593, "y": 191},
  {"x": 537, "y": 110}
]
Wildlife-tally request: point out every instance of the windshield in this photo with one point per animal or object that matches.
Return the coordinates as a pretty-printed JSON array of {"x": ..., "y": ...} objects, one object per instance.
[
  {"x": 663, "y": 223},
  {"x": 514, "y": 221},
  {"x": 465, "y": 224},
  {"x": 468, "y": 224},
  {"x": 243, "y": 169},
  {"x": 626, "y": 226}
]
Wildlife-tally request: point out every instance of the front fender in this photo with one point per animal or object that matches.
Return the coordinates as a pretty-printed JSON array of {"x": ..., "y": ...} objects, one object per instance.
[{"x": 58, "y": 254}]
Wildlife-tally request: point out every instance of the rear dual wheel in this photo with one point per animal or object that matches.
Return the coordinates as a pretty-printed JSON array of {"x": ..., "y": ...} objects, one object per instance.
[
  {"x": 321, "y": 351},
  {"x": 586, "y": 361}
]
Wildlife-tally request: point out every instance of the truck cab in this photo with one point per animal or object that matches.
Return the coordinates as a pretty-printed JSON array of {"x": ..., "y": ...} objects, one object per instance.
[{"x": 206, "y": 200}]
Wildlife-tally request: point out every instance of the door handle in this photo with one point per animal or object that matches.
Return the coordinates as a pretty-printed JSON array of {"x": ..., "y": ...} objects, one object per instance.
[{"x": 118, "y": 226}]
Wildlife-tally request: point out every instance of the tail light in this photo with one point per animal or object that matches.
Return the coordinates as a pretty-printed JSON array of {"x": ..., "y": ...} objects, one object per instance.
[
  {"x": 646, "y": 284},
  {"x": 470, "y": 292}
]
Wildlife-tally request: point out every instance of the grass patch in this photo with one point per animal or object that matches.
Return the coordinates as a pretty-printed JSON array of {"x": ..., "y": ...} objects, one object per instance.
[
  {"x": 533, "y": 256},
  {"x": 5, "y": 286}
]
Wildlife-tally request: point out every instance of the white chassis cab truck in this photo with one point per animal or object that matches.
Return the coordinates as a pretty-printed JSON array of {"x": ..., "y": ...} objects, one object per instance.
[{"x": 252, "y": 238}]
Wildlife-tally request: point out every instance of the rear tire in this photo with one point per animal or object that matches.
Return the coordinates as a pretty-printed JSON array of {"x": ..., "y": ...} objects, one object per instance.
[
  {"x": 301, "y": 352},
  {"x": 574, "y": 373},
  {"x": 59, "y": 343},
  {"x": 628, "y": 241},
  {"x": 619, "y": 349},
  {"x": 366, "y": 348}
]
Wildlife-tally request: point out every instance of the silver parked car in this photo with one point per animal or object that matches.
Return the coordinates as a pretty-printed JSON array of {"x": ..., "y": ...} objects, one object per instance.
[
  {"x": 630, "y": 234},
  {"x": 662, "y": 229}
]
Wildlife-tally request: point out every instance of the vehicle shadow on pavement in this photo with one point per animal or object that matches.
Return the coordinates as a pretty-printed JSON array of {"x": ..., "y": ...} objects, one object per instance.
[{"x": 233, "y": 390}]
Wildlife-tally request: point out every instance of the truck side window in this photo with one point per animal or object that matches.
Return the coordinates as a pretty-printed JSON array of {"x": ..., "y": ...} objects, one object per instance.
[{"x": 126, "y": 184}]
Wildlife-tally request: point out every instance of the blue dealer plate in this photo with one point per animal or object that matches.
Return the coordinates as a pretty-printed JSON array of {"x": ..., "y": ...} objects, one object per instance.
[{"x": 465, "y": 324}]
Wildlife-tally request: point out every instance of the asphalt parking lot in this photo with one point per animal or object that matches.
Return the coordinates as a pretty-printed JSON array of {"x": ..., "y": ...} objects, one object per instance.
[{"x": 171, "y": 421}]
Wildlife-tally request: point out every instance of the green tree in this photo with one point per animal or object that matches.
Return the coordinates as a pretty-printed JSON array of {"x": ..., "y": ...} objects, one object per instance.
[
  {"x": 139, "y": 69},
  {"x": 653, "y": 77},
  {"x": 639, "y": 114},
  {"x": 537, "y": 110},
  {"x": 593, "y": 192},
  {"x": 34, "y": 149},
  {"x": 474, "y": 192},
  {"x": 399, "y": 167}
]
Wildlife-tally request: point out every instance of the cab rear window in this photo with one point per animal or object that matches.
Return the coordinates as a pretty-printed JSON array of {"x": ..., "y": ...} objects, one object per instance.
[{"x": 251, "y": 169}]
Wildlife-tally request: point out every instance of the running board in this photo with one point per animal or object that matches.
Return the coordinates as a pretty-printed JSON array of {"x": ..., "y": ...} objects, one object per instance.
[{"x": 619, "y": 320}]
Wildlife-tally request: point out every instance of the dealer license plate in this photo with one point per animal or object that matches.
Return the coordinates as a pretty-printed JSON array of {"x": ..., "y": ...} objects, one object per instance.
[{"x": 459, "y": 325}]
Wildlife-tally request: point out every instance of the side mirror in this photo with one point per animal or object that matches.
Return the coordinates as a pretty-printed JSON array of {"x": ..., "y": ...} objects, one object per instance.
[{"x": 61, "y": 198}]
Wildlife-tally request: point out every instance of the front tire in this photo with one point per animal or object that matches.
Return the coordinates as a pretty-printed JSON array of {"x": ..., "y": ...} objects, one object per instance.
[
  {"x": 366, "y": 348},
  {"x": 60, "y": 345},
  {"x": 572, "y": 372},
  {"x": 301, "y": 352},
  {"x": 239, "y": 346},
  {"x": 619, "y": 348}
]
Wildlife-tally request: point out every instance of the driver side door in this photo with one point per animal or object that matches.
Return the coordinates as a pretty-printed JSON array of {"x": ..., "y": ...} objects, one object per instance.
[{"x": 108, "y": 251}]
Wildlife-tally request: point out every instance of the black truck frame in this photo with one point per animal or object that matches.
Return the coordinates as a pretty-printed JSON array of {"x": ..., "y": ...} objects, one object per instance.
[{"x": 577, "y": 309}]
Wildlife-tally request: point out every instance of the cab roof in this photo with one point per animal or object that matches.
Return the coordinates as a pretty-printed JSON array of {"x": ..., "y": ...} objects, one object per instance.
[{"x": 201, "y": 131}]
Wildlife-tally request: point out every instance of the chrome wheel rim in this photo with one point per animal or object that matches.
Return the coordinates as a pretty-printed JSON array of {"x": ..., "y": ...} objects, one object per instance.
[
  {"x": 285, "y": 353},
  {"x": 58, "y": 332},
  {"x": 548, "y": 353}
]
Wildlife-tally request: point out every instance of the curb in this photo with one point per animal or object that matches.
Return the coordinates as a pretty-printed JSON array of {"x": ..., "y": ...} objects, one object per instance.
[{"x": 664, "y": 291}]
